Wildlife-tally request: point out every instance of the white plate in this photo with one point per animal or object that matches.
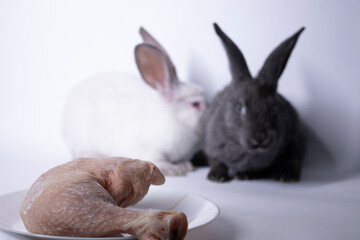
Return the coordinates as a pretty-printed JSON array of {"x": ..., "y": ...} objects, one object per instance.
[{"x": 199, "y": 211}]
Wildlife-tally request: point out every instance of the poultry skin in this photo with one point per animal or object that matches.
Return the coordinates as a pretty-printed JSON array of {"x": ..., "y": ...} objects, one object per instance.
[{"x": 87, "y": 197}]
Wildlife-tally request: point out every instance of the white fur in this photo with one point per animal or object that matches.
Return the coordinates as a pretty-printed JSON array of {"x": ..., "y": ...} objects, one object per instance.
[{"x": 119, "y": 115}]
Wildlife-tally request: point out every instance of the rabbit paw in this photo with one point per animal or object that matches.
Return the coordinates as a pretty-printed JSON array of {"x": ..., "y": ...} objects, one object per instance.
[
  {"x": 219, "y": 174},
  {"x": 285, "y": 177},
  {"x": 251, "y": 175},
  {"x": 246, "y": 176},
  {"x": 179, "y": 169},
  {"x": 285, "y": 174}
]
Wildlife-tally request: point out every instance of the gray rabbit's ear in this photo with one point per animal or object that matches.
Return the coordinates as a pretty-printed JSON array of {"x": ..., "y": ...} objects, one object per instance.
[
  {"x": 154, "y": 69},
  {"x": 276, "y": 62},
  {"x": 238, "y": 67},
  {"x": 149, "y": 39}
]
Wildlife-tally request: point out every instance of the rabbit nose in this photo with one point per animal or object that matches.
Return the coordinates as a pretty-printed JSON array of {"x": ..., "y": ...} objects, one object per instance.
[{"x": 259, "y": 139}]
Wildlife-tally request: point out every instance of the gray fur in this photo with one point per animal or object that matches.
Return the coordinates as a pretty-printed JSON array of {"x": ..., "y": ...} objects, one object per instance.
[{"x": 250, "y": 130}]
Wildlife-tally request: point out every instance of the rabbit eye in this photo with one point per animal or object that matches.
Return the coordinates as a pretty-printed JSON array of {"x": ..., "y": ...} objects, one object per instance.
[
  {"x": 196, "y": 105},
  {"x": 241, "y": 109}
]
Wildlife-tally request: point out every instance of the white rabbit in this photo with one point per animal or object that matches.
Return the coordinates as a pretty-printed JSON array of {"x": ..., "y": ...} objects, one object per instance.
[{"x": 114, "y": 114}]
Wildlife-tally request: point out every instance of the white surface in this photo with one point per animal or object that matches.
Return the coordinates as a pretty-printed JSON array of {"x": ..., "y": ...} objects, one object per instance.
[
  {"x": 47, "y": 47},
  {"x": 199, "y": 211},
  {"x": 255, "y": 210}
]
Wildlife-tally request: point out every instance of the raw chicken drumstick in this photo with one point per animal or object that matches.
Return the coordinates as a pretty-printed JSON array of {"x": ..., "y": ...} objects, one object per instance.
[{"x": 87, "y": 198}]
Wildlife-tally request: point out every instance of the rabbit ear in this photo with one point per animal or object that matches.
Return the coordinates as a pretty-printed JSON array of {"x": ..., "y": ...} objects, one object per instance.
[
  {"x": 148, "y": 39},
  {"x": 276, "y": 62},
  {"x": 238, "y": 67},
  {"x": 154, "y": 68}
]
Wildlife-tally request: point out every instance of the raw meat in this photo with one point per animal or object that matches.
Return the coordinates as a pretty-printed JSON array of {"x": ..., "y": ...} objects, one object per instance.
[{"x": 87, "y": 198}]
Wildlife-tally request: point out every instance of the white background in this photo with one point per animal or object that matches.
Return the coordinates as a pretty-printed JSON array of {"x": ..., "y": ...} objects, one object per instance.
[{"x": 47, "y": 47}]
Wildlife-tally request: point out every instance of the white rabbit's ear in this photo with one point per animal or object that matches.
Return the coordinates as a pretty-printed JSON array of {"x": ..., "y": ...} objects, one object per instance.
[
  {"x": 154, "y": 69},
  {"x": 149, "y": 39}
]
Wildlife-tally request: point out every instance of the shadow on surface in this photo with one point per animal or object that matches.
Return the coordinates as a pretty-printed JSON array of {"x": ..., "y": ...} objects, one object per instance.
[{"x": 324, "y": 124}]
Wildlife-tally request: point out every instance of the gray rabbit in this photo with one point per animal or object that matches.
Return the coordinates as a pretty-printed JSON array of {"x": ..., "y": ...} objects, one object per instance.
[{"x": 250, "y": 130}]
